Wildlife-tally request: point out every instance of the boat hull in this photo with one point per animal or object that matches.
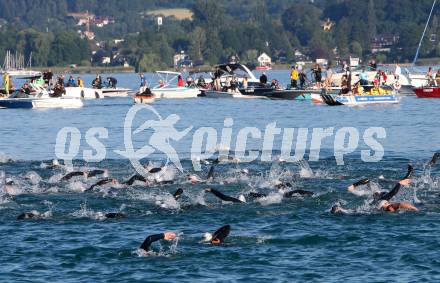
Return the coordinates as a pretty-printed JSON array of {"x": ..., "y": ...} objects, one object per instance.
[
  {"x": 83, "y": 92},
  {"x": 270, "y": 93},
  {"x": 428, "y": 92},
  {"x": 28, "y": 103},
  {"x": 115, "y": 92},
  {"x": 143, "y": 99},
  {"x": 178, "y": 92},
  {"x": 357, "y": 100}
]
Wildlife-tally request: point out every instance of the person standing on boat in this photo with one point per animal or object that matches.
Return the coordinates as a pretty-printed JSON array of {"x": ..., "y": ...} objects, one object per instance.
[
  {"x": 112, "y": 82},
  {"x": 6, "y": 83},
  {"x": 217, "y": 75},
  {"x": 263, "y": 79},
  {"x": 180, "y": 82},
  {"x": 245, "y": 83},
  {"x": 294, "y": 77},
  {"x": 363, "y": 77},
  {"x": 97, "y": 82},
  {"x": 302, "y": 79},
  {"x": 317, "y": 72},
  {"x": 80, "y": 82},
  {"x": 397, "y": 72},
  {"x": 437, "y": 77},
  {"x": 329, "y": 77},
  {"x": 430, "y": 77},
  {"x": 143, "y": 80}
]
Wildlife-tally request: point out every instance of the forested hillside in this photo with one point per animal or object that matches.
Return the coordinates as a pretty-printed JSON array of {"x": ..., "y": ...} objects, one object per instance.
[{"x": 219, "y": 29}]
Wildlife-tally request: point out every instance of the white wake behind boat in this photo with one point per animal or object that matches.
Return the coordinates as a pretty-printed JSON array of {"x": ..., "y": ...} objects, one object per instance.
[{"x": 164, "y": 89}]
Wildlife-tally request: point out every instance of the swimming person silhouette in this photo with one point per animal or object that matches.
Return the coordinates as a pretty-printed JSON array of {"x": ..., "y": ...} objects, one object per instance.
[{"x": 164, "y": 131}]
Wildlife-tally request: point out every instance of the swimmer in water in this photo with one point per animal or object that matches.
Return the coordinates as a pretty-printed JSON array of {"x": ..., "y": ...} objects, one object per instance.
[
  {"x": 293, "y": 193},
  {"x": 393, "y": 207},
  {"x": 194, "y": 179},
  {"x": 178, "y": 194},
  {"x": 405, "y": 181},
  {"x": 103, "y": 182},
  {"x": 224, "y": 197},
  {"x": 72, "y": 174},
  {"x": 434, "y": 159},
  {"x": 382, "y": 199},
  {"x": 167, "y": 236},
  {"x": 218, "y": 236},
  {"x": 29, "y": 215},
  {"x": 337, "y": 208},
  {"x": 114, "y": 215},
  {"x": 85, "y": 174}
]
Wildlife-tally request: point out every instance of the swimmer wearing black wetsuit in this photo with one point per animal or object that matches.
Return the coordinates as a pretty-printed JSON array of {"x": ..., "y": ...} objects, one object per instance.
[
  {"x": 134, "y": 178},
  {"x": 102, "y": 182},
  {"x": 293, "y": 193},
  {"x": 112, "y": 215},
  {"x": 70, "y": 175},
  {"x": 379, "y": 196},
  {"x": 218, "y": 236},
  {"x": 178, "y": 194},
  {"x": 222, "y": 196},
  {"x": 168, "y": 236}
]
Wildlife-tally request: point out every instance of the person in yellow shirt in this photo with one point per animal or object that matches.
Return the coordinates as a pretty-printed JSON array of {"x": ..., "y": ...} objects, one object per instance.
[
  {"x": 6, "y": 83},
  {"x": 294, "y": 75},
  {"x": 79, "y": 82}
]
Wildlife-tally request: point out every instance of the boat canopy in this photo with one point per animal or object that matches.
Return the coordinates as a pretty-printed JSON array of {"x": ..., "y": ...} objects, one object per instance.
[
  {"x": 168, "y": 73},
  {"x": 232, "y": 68}
]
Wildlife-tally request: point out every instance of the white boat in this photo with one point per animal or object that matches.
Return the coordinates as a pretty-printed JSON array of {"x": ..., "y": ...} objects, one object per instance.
[
  {"x": 358, "y": 100},
  {"x": 225, "y": 94},
  {"x": 83, "y": 92},
  {"x": 41, "y": 100},
  {"x": 165, "y": 90},
  {"x": 115, "y": 92},
  {"x": 404, "y": 83}
]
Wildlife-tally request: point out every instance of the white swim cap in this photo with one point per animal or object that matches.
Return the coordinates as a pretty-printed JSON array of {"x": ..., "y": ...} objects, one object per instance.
[
  {"x": 242, "y": 198},
  {"x": 207, "y": 237}
]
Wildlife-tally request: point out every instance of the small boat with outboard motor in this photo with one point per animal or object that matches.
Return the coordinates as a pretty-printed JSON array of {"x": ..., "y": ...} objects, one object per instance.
[{"x": 144, "y": 96}]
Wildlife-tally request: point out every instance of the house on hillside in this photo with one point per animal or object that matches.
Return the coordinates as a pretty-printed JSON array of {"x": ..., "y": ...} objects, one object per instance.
[
  {"x": 264, "y": 60},
  {"x": 322, "y": 61},
  {"x": 182, "y": 60},
  {"x": 383, "y": 42}
]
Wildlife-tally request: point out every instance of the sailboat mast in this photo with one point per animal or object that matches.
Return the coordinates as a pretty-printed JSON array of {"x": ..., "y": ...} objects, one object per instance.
[{"x": 423, "y": 35}]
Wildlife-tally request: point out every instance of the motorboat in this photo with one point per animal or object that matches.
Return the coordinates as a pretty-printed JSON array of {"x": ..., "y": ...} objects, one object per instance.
[
  {"x": 144, "y": 96},
  {"x": 41, "y": 100},
  {"x": 228, "y": 94},
  {"x": 428, "y": 92},
  {"x": 403, "y": 84},
  {"x": 362, "y": 96},
  {"x": 165, "y": 90}
]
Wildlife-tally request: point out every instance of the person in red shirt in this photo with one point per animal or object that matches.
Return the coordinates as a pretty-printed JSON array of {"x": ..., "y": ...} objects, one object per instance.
[{"x": 180, "y": 82}]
